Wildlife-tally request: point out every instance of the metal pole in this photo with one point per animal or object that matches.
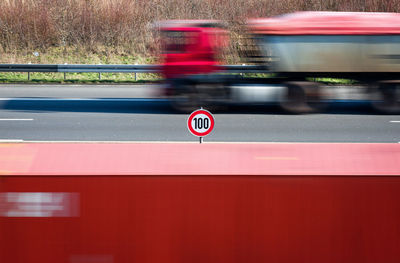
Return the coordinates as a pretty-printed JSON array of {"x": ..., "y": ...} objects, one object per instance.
[
  {"x": 99, "y": 75},
  {"x": 201, "y": 138}
]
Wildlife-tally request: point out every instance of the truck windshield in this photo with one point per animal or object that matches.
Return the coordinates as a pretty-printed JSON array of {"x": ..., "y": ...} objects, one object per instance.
[{"x": 175, "y": 42}]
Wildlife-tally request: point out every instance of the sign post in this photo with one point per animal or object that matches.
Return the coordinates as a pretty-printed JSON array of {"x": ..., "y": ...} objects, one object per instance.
[{"x": 200, "y": 123}]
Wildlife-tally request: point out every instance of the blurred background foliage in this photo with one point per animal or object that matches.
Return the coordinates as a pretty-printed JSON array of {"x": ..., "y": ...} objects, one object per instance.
[{"x": 122, "y": 31}]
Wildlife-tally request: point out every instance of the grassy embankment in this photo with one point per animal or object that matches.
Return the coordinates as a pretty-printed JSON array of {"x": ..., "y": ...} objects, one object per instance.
[{"x": 120, "y": 31}]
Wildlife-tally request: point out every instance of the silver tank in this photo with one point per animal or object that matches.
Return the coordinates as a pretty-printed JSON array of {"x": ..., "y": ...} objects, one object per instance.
[{"x": 332, "y": 53}]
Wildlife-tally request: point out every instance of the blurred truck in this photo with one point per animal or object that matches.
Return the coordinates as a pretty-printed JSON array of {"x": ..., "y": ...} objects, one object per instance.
[{"x": 294, "y": 51}]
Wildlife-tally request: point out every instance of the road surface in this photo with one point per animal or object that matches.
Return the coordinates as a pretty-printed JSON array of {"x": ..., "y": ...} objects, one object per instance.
[{"x": 136, "y": 113}]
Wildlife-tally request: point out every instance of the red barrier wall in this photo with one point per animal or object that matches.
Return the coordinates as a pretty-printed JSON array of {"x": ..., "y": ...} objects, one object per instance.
[
  {"x": 209, "y": 219},
  {"x": 199, "y": 218}
]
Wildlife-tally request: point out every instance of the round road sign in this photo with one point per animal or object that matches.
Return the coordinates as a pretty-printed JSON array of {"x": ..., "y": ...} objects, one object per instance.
[{"x": 200, "y": 123}]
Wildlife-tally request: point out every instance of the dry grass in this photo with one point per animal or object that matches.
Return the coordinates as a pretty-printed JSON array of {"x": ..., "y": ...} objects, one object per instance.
[{"x": 123, "y": 27}]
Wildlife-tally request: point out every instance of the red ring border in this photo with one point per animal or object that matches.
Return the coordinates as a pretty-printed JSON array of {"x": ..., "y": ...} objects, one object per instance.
[{"x": 195, "y": 113}]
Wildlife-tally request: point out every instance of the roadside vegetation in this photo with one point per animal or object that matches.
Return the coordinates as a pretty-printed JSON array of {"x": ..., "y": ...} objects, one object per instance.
[{"x": 122, "y": 32}]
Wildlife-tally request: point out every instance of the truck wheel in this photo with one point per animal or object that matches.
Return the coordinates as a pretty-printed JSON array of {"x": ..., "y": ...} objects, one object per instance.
[
  {"x": 187, "y": 97},
  {"x": 302, "y": 97},
  {"x": 210, "y": 96},
  {"x": 386, "y": 98},
  {"x": 184, "y": 99}
]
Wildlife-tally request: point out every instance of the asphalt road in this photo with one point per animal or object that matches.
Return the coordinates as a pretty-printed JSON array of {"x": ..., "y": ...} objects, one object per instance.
[{"x": 135, "y": 113}]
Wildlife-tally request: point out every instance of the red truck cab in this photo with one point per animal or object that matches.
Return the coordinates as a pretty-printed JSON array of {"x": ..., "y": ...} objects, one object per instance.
[
  {"x": 190, "y": 61},
  {"x": 190, "y": 47}
]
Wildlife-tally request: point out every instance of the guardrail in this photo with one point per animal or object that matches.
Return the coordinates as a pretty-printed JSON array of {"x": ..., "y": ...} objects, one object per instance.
[{"x": 83, "y": 68}]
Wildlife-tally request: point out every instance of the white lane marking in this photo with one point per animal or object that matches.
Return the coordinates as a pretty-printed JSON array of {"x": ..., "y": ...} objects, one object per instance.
[
  {"x": 394, "y": 121},
  {"x": 11, "y": 140},
  {"x": 16, "y": 119},
  {"x": 88, "y": 99}
]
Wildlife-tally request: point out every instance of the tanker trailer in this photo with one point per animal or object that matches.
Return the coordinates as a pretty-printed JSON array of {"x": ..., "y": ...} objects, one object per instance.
[{"x": 360, "y": 46}]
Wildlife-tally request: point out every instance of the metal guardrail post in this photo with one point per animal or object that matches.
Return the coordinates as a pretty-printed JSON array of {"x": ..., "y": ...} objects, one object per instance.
[
  {"x": 135, "y": 73},
  {"x": 65, "y": 73},
  {"x": 29, "y": 74}
]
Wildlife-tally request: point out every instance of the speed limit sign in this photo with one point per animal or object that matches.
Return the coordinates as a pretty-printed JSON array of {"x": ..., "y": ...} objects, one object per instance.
[{"x": 200, "y": 123}]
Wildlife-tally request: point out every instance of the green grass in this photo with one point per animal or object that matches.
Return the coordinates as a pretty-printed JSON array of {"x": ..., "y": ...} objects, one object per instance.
[
  {"x": 76, "y": 78},
  {"x": 334, "y": 81},
  {"x": 72, "y": 78}
]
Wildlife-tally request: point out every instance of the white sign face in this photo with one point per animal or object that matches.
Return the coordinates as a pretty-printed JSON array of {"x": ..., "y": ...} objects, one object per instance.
[{"x": 200, "y": 123}]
